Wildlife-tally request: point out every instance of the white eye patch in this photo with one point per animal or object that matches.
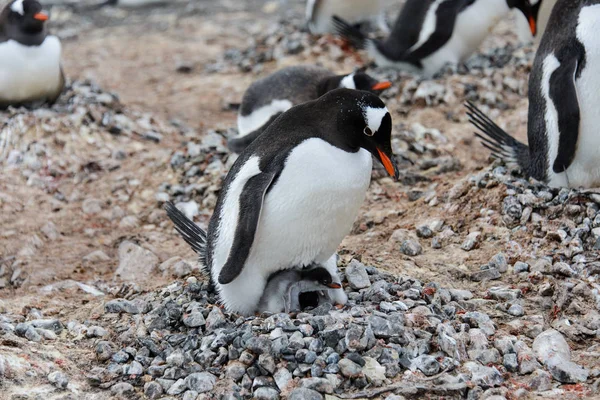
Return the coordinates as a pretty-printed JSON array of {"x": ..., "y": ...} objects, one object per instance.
[
  {"x": 348, "y": 82},
  {"x": 17, "y": 7},
  {"x": 373, "y": 117}
]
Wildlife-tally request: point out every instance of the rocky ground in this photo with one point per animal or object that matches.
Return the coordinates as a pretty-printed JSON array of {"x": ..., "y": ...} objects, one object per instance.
[{"x": 464, "y": 280}]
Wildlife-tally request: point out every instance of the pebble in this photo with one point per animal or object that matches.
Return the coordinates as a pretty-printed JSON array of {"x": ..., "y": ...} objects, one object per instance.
[
  {"x": 566, "y": 371},
  {"x": 305, "y": 394},
  {"x": 540, "y": 381},
  {"x": 411, "y": 248},
  {"x": 426, "y": 364},
  {"x": 201, "y": 382},
  {"x": 551, "y": 343},
  {"x": 521, "y": 267},
  {"x": 153, "y": 390},
  {"x": 319, "y": 385},
  {"x": 485, "y": 377},
  {"x": 122, "y": 389},
  {"x": 349, "y": 368},
  {"x": 266, "y": 393},
  {"x": 58, "y": 379},
  {"x": 357, "y": 276},
  {"x": 486, "y": 274}
]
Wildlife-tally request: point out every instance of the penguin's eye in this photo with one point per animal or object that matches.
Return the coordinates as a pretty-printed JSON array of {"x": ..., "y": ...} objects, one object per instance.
[{"x": 368, "y": 131}]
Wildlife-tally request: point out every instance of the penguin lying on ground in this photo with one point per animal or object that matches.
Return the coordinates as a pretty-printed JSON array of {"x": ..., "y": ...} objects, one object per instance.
[
  {"x": 564, "y": 103},
  {"x": 270, "y": 96},
  {"x": 30, "y": 71},
  {"x": 294, "y": 290},
  {"x": 130, "y": 3},
  {"x": 430, "y": 34},
  {"x": 293, "y": 194},
  {"x": 541, "y": 10},
  {"x": 319, "y": 13}
]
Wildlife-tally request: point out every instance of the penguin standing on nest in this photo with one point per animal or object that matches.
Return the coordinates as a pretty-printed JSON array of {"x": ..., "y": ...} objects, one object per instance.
[
  {"x": 267, "y": 98},
  {"x": 30, "y": 71},
  {"x": 292, "y": 195},
  {"x": 564, "y": 103},
  {"x": 430, "y": 34}
]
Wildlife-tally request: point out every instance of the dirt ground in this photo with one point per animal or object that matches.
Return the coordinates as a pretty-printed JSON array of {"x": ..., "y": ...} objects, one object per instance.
[{"x": 136, "y": 56}]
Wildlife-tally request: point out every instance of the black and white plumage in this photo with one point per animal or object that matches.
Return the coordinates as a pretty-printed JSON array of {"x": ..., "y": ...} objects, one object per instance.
[
  {"x": 564, "y": 105},
  {"x": 269, "y": 97},
  {"x": 319, "y": 13},
  {"x": 294, "y": 289},
  {"x": 131, "y": 3},
  {"x": 293, "y": 194},
  {"x": 30, "y": 70},
  {"x": 430, "y": 34}
]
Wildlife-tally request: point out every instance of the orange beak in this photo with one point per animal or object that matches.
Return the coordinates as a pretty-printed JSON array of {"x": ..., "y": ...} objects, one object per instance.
[
  {"x": 382, "y": 85},
  {"x": 387, "y": 163},
  {"x": 532, "y": 25},
  {"x": 334, "y": 285},
  {"x": 41, "y": 16}
]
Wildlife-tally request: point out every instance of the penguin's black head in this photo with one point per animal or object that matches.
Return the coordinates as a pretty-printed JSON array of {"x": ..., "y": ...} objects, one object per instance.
[
  {"x": 366, "y": 82},
  {"x": 363, "y": 121},
  {"x": 530, "y": 9},
  {"x": 320, "y": 276},
  {"x": 23, "y": 17}
]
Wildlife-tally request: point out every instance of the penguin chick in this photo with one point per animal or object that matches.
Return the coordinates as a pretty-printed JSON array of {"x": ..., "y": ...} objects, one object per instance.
[
  {"x": 272, "y": 95},
  {"x": 563, "y": 118},
  {"x": 430, "y": 34},
  {"x": 30, "y": 70},
  {"x": 293, "y": 194},
  {"x": 284, "y": 289}
]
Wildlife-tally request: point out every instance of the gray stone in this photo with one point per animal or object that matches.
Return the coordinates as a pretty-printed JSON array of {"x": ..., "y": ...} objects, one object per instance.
[
  {"x": 194, "y": 319},
  {"x": 504, "y": 293},
  {"x": 267, "y": 362},
  {"x": 58, "y": 379},
  {"x": 135, "y": 262},
  {"x": 486, "y": 274},
  {"x": 499, "y": 262},
  {"x": 96, "y": 332},
  {"x": 374, "y": 372},
  {"x": 481, "y": 321},
  {"x": 510, "y": 362},
  {"x": 266, "y": 393},
  {"x": 566, "y": 371},
  {"x": 153, "y": 390},
  {"x": 357, "y": 276},
  {"x": 411, "y": 248},
  {"x": 540, "y": 381},
  {"x": 305, "y": 394},
  {"x": 485, "y": 377},
  {"x": 201, "y": 382},
  {"x": 177, "y": 388},
  {"x": 551, "y": 343},
  {"x": 215, "y": 319},
  {"x": 349, "y": 368},
  {"x": 104, "y": 350},
  {"x": 259, "y": 345},
  {"x": 521, "y": 267},
  {"x": 235, "y": 371},
  {"x": 320, "y": 385},
  {"x": 282, "y": 377},
  {"x": 426, "y": 364},
  {"x": 190, "y": 395},
  {"x": 516, "y": 310},
  {"x": 471, "y": 242},
  {"x": 133, "y": 369},
  {"x": 122, "y": 389},
  {"x": 124, "y": 306}
]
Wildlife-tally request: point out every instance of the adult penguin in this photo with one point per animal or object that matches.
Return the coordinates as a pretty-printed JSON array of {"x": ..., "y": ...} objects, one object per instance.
[
  {"x": 564, "y": 105},
  {"x": 293, "y": 194}
]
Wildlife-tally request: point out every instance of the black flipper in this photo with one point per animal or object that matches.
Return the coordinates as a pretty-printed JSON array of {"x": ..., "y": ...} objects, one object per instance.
[
  {"x": 238, "y": 144},
  {"x": 563, "y": 94},
  {"x": 353, "y": 35},
  {"x": 502, "y": 145},
  {"x": 189, "y": 231},
  {"x": 251, "y": 202}
]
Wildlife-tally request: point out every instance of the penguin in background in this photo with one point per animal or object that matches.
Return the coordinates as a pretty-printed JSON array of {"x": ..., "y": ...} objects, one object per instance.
[
  {"x": 564, "y": 103},
  {"x": 541, "y": 10},
  {"x": 130, "y": 3},
  {"x": 319, "y": 13},
  {"x": 430, "y": 34},
  {"x": 30, "y": 70},
  {"x": 269, "y": 97},
  {"x": 292, "y": 195}
]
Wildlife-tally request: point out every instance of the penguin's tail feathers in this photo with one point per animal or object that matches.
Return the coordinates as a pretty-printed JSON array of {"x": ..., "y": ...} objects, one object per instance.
[
  {"x": 501, "y": 144},
  {"x": 353, "y": 35},
  {"x": 191, "y": 233}
]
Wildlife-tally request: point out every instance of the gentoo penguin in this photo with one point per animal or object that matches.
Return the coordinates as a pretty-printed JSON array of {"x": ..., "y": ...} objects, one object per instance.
[
  {"x": 272, "y": 95},
  {"x": 30, "y": 70},
  {"x": 131, "y": 3},
  {"x": 541, "y": 10},
  {"x": 430, "y": 34},
  {"x": 293, "y": 194},
  {"x": 564, "y": 105},
  {"x": 294, "y": 289},
  {"x": 319, "y": 13}
]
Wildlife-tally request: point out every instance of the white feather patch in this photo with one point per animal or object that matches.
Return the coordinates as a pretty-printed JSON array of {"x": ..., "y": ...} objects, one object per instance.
[
  {"x": 17, "y": 7},
  {"x": 374, "y": 116},
  {"x": 348, "y": 82},
  {"x": 550, "y": 65},
  {"x": 251, "y": 122}
]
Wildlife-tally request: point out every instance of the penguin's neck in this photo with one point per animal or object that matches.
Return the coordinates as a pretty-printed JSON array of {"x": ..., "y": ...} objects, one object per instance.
[{"x": 24, "y": 38}]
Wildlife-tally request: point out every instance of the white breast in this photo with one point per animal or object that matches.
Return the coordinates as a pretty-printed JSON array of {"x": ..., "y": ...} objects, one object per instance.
[
  {"x": 29, "y": 72},
  {"x": 584, "y": 171},
  {"x": 304, "y": 218},
  {"x": 349, "y": 10},
  {"x": 253, "y": 121}
]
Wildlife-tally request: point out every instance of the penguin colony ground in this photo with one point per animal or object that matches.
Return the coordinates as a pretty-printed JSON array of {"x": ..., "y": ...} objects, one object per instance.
[{"x": 281, "y": 305}]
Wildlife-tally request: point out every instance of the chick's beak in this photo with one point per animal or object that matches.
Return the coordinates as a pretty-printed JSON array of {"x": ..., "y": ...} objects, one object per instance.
[
  {"x": 389, "y": 164},
  {"x": 382, "y": 85},
  {"x": 334, "y": 285},
  {"x": 41, "y": 16}
]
